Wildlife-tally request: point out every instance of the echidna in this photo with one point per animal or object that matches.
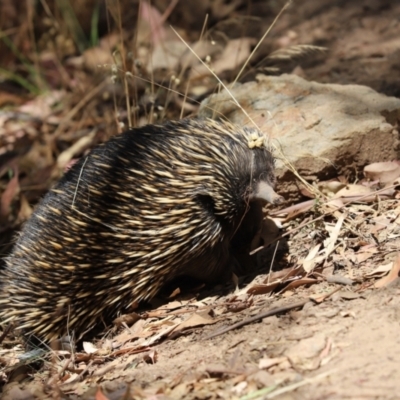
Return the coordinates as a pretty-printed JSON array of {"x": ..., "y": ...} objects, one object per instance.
[{"x": 147, "y": 206}]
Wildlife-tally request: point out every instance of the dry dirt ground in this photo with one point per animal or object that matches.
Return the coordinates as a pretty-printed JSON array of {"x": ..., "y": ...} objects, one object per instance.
[{"x": 342, "y": 344}]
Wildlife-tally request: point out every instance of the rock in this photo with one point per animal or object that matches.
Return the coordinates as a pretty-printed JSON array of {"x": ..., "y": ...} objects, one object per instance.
[{"x": 323, "y": 130}]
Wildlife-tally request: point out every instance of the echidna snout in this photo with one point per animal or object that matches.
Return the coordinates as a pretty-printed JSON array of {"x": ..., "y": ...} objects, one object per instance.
[
  {"x": 145, "y": 207},
  {"x": 265, "y": 191}
]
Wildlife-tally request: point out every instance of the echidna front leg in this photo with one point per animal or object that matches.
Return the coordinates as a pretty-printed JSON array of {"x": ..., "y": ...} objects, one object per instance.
[{"x": 241, "y": 242}]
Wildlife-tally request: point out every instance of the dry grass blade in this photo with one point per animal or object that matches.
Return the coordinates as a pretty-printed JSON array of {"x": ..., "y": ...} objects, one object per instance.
[
  {"x": 218, "y": 79},
  {"x": 292, "y": 387},
  {"x": 261, "y": 40}
]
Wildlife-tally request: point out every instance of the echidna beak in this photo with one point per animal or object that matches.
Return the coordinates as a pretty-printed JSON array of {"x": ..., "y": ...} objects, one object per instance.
[{"x": 264, "y": 191}]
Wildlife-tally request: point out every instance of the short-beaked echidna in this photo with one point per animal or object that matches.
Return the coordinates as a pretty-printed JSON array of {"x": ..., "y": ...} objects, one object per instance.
[{"x": 147, "y": 206}]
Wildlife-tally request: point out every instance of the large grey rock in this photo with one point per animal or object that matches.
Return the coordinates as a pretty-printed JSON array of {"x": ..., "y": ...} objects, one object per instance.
[{"x": 323, "y": 130}]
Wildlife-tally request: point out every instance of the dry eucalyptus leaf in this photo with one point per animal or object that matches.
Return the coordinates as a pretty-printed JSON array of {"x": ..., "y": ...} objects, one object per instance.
[
  {"x": 89, "y": 347},
  {"x": 353, "y": 190},
  {"x": 392, "y": 276},
  {"x": 384, "y": 172},
  {"x": 381, "y": 270}
]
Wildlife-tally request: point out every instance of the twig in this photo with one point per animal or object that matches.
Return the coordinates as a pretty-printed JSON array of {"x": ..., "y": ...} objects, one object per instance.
[{"x": 262, "y": 315}]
